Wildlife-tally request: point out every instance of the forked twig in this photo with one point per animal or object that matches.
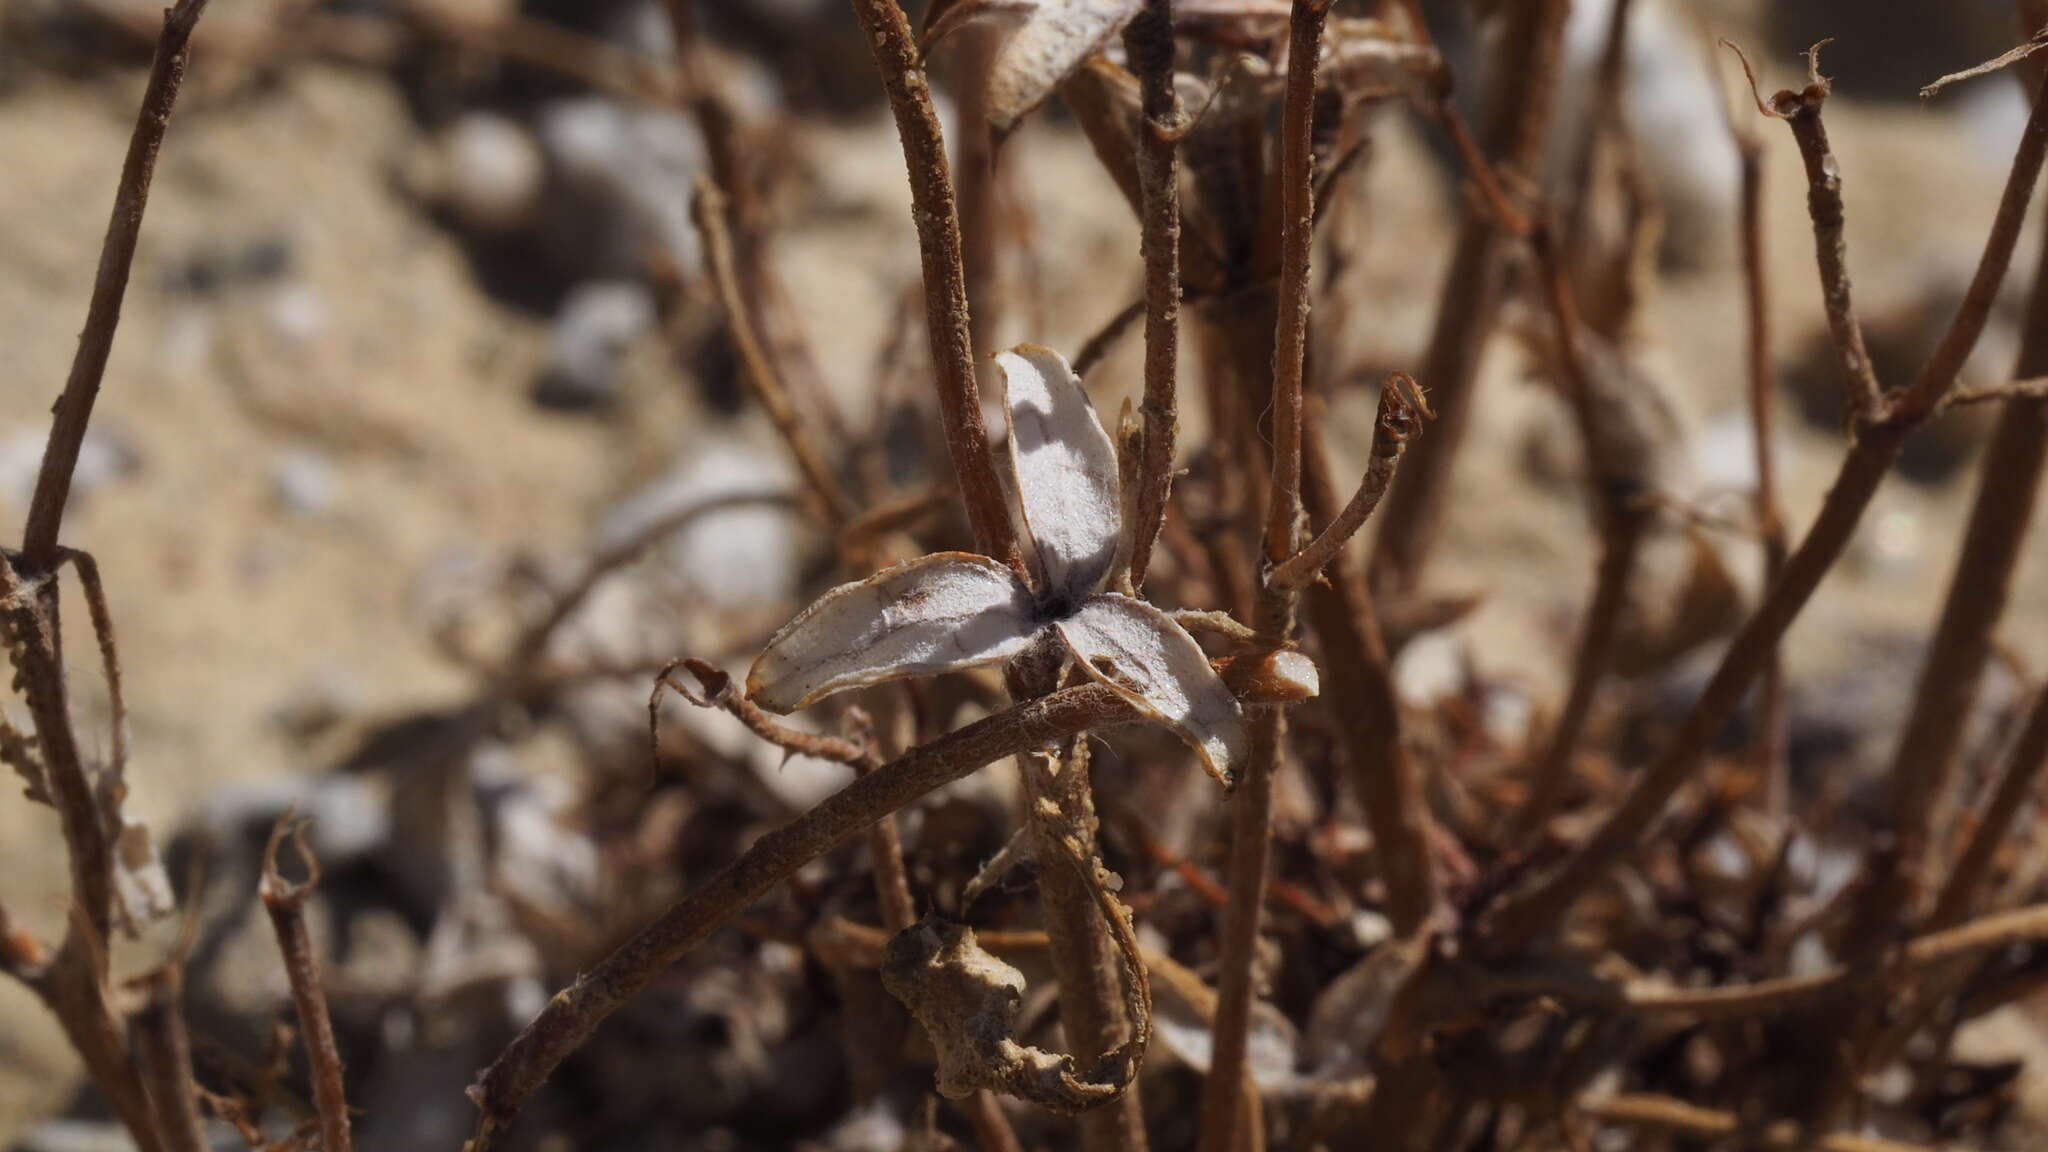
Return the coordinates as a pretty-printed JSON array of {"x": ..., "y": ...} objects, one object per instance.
[
  {"x": 1403, "y": 408},
  {"x": 1870, "y": 457}
]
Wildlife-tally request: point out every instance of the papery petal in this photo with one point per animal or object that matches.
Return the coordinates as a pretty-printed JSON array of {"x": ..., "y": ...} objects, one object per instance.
[
  {"x": 1052, "y": 40},
  {"x": 1151, "y": 660},
  {"x": 1065, "y": 469},
  {"x": 938, "y": 613}
]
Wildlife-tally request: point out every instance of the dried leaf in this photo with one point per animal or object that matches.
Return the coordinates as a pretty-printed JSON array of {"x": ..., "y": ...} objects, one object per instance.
[
  {"x": 1184, "y": 1018},
  {"x": 967, "y": 1002},
  {"x": 1353, "y": 1009},
  {"x": 1151, "y": 660},
  {"x": 1106, "y": 103},
  {"x": 939, "y": 613},
  {"x": 946, "y": 17},
  {"x": 1065, "y": 469},
  {"x": 1051, "y": 41},
  {"x": 140, "y": 882},
  {"x": 1367, "y": 57}
]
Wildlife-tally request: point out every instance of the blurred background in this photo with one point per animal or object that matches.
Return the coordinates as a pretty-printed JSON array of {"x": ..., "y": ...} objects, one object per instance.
[{"x": 419, "y": 327}]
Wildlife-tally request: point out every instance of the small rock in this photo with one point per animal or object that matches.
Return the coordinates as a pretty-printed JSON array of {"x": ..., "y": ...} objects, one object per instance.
[
  {"x": 303, "y": 481},
  {"x": 619, "y": 187},
  {"x": 488, "y": 172},
  {"x": 596, "y": 325}
]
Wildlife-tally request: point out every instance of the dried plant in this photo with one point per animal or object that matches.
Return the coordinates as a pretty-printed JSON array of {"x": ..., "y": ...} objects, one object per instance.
[{"x": 1525, "y": 938}]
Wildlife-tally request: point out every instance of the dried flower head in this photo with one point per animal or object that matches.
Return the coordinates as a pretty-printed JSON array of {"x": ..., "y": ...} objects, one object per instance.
[{"x": 957, "y": 610}]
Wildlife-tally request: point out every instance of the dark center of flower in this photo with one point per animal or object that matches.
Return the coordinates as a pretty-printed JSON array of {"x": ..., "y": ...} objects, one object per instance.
[{"x": 1056, "y": 605}]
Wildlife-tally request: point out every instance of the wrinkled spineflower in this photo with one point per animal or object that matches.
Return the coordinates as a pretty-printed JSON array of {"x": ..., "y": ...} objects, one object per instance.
[{"x": 955, "y": 610}]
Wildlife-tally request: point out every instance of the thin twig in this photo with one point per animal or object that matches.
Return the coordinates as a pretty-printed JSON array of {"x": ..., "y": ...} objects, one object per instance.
[
  {"x": 1801, "y": 110},
  {"x": 1771, "y": 733},
  {"x": 163, "y": 1050},
  {"x": 1148, "y": 42},
  {"x": 286, "y": 904},
  {"x": 716, "y": 690},
  {"x": 1403, "y": 408},
  {"x": 528, "y": 649},
  {"x": 2005, "y": 60},
  {"x": 1252, "y": 805},
  {"x": 103, "y": 315},
  {"x": 1604, "y": 97},
  {"x": 1365, "y": 709},
  {"x": 1098, "y": 347},
  {"x": 1984, "y": 934},
  {"x": 1665, "y": 1114},
  {"x": 1618, "y": 481},
  {"x": 945, "y": 279},
  {"x": 2033, "y": 388},
  {"x": 575, "y": 1012},
  {"x": 707, "y": 209},
  {"x": 2016, "y": 781},
  {"x": 1870, "y": 457}
]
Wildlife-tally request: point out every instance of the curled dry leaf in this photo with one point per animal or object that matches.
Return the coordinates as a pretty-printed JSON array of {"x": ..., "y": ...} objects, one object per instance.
[
  {"x": 967, "y": 1001},
  {"x": 958, "y": 610},
  {"x": 1184, "y": 1018},
  {"x": 1354, "y": 1008},
  {"x": 1048, "y": 41}
]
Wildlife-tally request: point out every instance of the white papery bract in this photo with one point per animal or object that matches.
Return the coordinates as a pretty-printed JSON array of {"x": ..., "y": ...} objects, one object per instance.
[{"x": 957, "y": 610}]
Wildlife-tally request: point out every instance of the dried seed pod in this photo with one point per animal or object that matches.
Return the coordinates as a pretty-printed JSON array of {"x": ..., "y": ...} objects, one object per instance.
[
  {"x": 1280, "y": 677},
  {"x": 967, "y": 1002}
]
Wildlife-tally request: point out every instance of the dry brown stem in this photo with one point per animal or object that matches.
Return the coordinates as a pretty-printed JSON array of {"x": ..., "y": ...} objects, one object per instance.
[
  {"x": 1618, "y": 488},
  {"x": 1402, "y": 410},
  {"x": 1984, "y": 934},
  {"x": 708, "y": 210},
  {"x": 1148, "y": 41},
  {"x": 1824, "y": 205},
  {"x": 1252, "y": 805},
  {"x": 1770, "y": 724},
  {"x": 2016, "y": 782},
  {"x": 885, "y": 845},
  {"x": 286, "y": 904},
  {"x": 577, "y": 1010},
  {"x": 163, "y": 1052},
  {"x": 1097, "y": 347},
  {"x": 1366, "y": 712},
  {"x": 1664, "y": 1114},
  {"x": 1541, "y": 907},
  {"x": 103, "y": 315},
  {"x": 945, "y": 278}
]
